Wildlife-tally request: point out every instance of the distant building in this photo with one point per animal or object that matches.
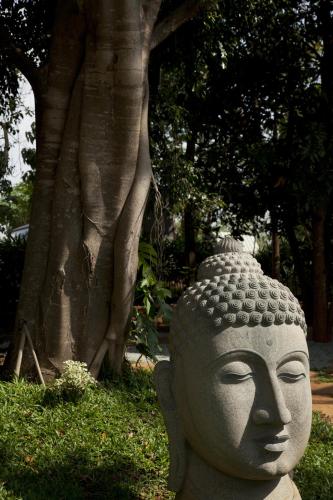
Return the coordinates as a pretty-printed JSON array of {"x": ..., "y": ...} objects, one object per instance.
[{"x": 20, "y": 232}]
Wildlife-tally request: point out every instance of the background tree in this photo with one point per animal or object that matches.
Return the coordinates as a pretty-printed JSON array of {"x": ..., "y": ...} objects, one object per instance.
[
  {"x": 15, "y": 202},
  {"x": 11, "y": 112},
  {"x": 262, "y": 121},
  {"x": 179, "y": 114},
  {"x": 290, "y": 90},
  {"x": 15, "y": 207}
]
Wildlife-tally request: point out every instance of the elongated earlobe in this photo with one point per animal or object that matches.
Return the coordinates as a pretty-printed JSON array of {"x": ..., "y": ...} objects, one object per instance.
[{"x": 177, "y": 449}]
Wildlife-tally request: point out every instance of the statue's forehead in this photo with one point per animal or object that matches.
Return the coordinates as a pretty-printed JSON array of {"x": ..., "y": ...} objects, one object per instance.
[{"x": 270, "y": 343}]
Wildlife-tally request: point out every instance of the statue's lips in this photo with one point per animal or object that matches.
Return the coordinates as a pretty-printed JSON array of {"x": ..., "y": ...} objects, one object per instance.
[{"x": 275, "y": 443}]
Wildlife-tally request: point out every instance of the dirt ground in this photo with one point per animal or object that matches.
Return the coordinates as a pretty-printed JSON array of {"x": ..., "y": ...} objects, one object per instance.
[{"x": 322, "y": 395}]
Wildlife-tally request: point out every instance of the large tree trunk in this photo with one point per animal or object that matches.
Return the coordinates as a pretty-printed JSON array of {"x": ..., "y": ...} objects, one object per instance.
[
  {"x": 189, "y": 239},
  {"x": 92, "y": 180},
  {"x": 319, "y": 286},
  {"x": 189, "y": 216},
  {"x": 299, "y": 268},
  {"x": 276, "y": 258},
  {"x": 93, "y": 177},
  {"x": 321, "y": 320}
]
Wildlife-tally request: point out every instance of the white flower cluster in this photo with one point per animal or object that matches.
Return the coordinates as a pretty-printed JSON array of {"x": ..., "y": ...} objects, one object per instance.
[{"x": 74, "y": 380}]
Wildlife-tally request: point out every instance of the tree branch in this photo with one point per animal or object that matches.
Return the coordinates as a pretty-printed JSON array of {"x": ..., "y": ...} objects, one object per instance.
[
  {"x": 151, "y": 8},
  {"x": 187, "y": 10},
  {"x": 21, "y": 61},
  {"x": 27, "y": 68}
]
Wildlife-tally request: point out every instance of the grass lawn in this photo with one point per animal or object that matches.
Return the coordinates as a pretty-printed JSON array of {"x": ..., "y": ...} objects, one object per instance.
[{"x": 110, "y": 445}]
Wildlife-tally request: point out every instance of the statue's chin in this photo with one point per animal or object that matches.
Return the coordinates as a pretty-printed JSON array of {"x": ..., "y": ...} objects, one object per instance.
[
  {"x": 264, "y": 471},
  {"x": 271, "y": 470}
]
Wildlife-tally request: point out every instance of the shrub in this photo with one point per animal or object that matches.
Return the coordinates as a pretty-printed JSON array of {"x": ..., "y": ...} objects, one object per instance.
[
  {"x": 151, "y": 296},
  {"x": 72, "y": 384}
]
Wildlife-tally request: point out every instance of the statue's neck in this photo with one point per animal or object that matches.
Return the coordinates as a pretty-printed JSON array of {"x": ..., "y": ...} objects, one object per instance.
[{"x": 203, "y": 481}]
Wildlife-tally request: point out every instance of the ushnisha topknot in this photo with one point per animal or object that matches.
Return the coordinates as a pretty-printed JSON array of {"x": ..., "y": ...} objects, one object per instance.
[
  {"x": 229, "y": 260},
  {"x": 233, "y": 291}
]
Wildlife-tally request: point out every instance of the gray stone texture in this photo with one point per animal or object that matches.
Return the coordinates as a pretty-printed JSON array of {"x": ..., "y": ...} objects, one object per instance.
[{"x": 235, "y": 395}]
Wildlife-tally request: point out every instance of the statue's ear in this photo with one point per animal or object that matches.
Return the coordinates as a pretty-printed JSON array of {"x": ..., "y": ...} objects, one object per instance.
[{"x": 177, "y": 449}]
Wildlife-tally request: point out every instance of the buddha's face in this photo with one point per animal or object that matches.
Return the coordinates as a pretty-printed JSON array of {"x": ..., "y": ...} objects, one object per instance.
[{"x": 244, "y": 399}]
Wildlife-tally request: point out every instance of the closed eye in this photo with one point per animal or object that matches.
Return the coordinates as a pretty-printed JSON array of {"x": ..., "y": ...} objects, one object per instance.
[
  {"x": 236, "y": 378},
  {"x": 291, "y": 378}
]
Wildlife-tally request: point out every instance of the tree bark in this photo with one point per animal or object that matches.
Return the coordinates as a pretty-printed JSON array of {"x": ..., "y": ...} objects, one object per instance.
[
  {"x": 52, "y": 106},
  {"x": 276, "y": 259},
  {"x": 300, "y": 271},
  {"x": 276, "y": 255},
  {"x": 319, "y": 285},
  {"x": 189, "y": 216},
  {"x": 320, "y": 299},
  {"x": 189, "y": 237},
  {"x": 92, "y": 181}
]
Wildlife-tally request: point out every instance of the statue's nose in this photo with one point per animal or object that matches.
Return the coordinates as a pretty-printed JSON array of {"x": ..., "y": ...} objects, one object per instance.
[{"x": 271, "y": 406}]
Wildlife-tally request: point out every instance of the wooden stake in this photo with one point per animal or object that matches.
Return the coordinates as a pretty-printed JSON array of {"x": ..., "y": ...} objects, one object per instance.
[
  {"x": 34, "y": 355},
  {"x": 26, "y": 334},
  {"x": 20, "y": 354}
]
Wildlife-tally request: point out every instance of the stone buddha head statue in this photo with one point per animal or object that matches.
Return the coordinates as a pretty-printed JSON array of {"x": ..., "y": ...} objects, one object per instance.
[{"x": 235, "y": 395}]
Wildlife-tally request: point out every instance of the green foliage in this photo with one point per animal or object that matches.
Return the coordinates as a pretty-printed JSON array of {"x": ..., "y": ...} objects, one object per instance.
[
  {"x": 287, "y": 268},
  {"x": 314, "y": 474},
  {"x": 298, "y": 280},
  {"x": 242, "y": 115},
  {"x": 72, "y": 384},
  {"x": 246, "y": 86},
  {"x": 150, "y": 289},
  {"x": 180, "y": 115},
  {"x": 11, "y": 266},
  {"x": 110, "y": 444},
  {"x": 15, "y": 207},
  {"x": 26, "y": 26},
  {"x": 174, "y": 266},
  {"x": 323, "y": 376},
  {"x": 150, "y": 296}
]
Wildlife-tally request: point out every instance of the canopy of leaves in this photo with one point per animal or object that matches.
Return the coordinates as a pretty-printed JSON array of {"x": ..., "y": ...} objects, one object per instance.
[
  {"x": 25, "y": 32},
  {"x": 246, "y": 84},
  {"x": 15, "y": 206}
]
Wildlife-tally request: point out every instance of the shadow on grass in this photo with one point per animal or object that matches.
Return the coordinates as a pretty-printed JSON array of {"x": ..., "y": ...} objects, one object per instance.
[{"x": 75, "y": 478}]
